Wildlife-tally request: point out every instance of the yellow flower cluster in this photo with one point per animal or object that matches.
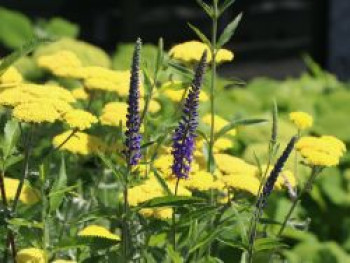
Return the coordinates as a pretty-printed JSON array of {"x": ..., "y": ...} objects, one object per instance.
[
  {"x": 79, "y": 119},
  {"x": 114, "y": 113},
  {"x": 243, "y": 182},
  {"x": 151, "y": 189},
  {"x": 31, "y": 255},
  {"x": 321, "y": 151},
  {"x": 302, "y": 120},
  {"x": 60, "y": 60},
  {"x": 36, "y": 112},
  {"x": 29, "y": 195},
  {"x": 220, "y": 145},
  {"x": 174, "y": 90},
  {"x": 192, "y": 51},
  {"x": 153, "y": 107},
  {"x": 202, "y": 181},
  {"x": 219, "y": 123},
  {"x": 80, "y": 94},
  {"x": 10, "y": 78},
  {"x": 99, "y": 232},
  {"x": 80, "y": 143}
]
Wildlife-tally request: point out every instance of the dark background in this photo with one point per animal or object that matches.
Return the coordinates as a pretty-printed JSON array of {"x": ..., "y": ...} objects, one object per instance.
[{"x": 270, "y": 41}]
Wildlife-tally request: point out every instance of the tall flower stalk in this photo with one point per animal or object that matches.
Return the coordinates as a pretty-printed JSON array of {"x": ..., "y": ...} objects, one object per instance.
[
  {"x": 265, "y": 193},
  {"x": 185, "y": 133},
  {"x": 133, "y": 138}
]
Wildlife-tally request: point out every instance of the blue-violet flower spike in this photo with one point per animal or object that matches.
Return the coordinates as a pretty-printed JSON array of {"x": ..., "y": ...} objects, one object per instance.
[
  {"x": 133, "y": 136},
  {"x": 271, "y": 180},
  {"x": 185, "y": 133}
]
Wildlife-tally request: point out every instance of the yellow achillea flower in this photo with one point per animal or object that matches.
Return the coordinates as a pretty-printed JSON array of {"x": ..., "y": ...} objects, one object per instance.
[
  {"x": 232, "y": 165},
  {"x": 177, "y": 95},
  {"x": 219, "y": 123},
  {"x": 302, "y": 120},
  {"x": 31, "y": 255},
  {"x": 154, "y": 106},
  {"x": 192, "y": 51},
  {"x": 80, "y": 94},
  {"x": 99, "y": 232},
  {"x": 220, "y": 144},
  {"x": 114, "y": 113},
  {"x": 80, "y": 119},
  {"x": 79, "y": 143},
  {"x": 242, "y": 181},
  {"x": 11, "y": 77},
  {"x": 63, "y": 59},
  {"x": 202, "y": 181},
  {"x": 35, "y": 112},
  {"x": 163, "y": 164},
  {"x": 321, "y": 151},
  {"x": 284, "y": 179},
  {"x": 29, "y": 196},
  {"x": 160, "y": 213}
]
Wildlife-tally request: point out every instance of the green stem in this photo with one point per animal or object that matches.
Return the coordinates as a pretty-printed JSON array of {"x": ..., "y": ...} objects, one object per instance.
[
  {"x": 125, "y": 227},
  {"x": 213, "y": 83},
  {"x": 173, "y": 215},
  {"x": 307, "y": 187}
]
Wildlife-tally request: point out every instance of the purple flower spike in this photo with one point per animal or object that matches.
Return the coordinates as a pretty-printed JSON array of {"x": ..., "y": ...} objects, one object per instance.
[
  {"x": 185, "y": 133},
  {"x": 133, "y": 123}
]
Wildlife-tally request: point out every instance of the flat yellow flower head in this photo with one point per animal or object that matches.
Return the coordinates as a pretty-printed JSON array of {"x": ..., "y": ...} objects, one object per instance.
[
  {"x": 321, "y": 151},
  {"x": 191, "y": 52},
  {"x": 232, "y": 165},
  {"x": 114, "y": 113},
  {"x": 242, "y": 181},
  {"x": 219, "y": 123},
  {"x": 160, "y": 213},
  {"x": 31, "y": 255},
  {"x": 11, "y": 77},
  {"x": 35, "y": 112},
  {"x": 29, "y": 196},
  {"x": 79, "y": 143},
  {"x": 63, "y": 59},
  {"x": 302, "y": 120},
  {"x": 99, "y": 232},
  {"x": 202, "y": 181},
  {"x": 175, "y": 91},
  {"x": 80, "y": 94},
  {"x": 79, "y": 119}
]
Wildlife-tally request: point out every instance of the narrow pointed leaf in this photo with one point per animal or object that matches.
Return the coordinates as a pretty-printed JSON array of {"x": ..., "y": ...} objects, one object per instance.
[
  {"x": 171, "y": 201},
  {"x": 199, "y": 33},
  {"x": 11, "y": 136},
  {"x": 208, "y": 9},
  {"x": 229, "y": 31},
  {"x": 162, "y": 182},
  {"x": 225, "y": 5},
  {"x": 57, "y": 195}
]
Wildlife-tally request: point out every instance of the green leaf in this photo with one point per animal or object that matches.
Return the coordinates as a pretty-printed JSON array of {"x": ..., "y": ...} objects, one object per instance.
[
  {"x": 162, "y": 182},
  {"x": 225, "y": 5},
  {"x": 229, "y": 31},
  {"x": 25, "y": 223},
  {"x": 201, "y": 36},
  {"x": 160, "y": 56},
  {"x": 186, "y": 72},
  {"x": 57, "y": 195},
  {"x": 11, "y": 136},
  {"x": 267, "y": 243},
  {"x": 274, "y": 132},
  {"x": 21, "y": 52},
  {"x": 234, "y": 124},
  {"x": 173, "y": 255},
  {"x": 207, "y": 239},
  {"x": 60, "y": 27},
  {"x": 12, "y": 160},
  {"x": 171, "y": 201},
  {"x": 207, "y": 8}
]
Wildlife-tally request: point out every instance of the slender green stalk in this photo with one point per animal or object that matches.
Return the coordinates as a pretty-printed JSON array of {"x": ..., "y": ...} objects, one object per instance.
[
  {"x": 307, "y": 187},
  {"x": 174, "y": 214},
  {"x": 125, "y": 226},
  {"x": 213, "y": 82}
]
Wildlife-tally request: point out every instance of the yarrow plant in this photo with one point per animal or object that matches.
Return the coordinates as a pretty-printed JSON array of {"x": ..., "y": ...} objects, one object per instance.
[{"x": 157, "y": 162}]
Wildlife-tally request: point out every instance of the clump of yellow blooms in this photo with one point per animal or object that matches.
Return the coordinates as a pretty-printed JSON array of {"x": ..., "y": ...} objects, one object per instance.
[
  {"x": 242, "y": 181},
  {"x": 202, "y": 181},
  {"x": 80, "y": 94},
  {"x": 220, "y": 144},
  {"x": 99, "y": 232},
  {"x": 302, "y": 120},
  {"x": 31, "y": 255},
  {"x": 174, "y": 90},
  {"x": 63, "y": 59},
  {"x": 80, "y": 119},
  {"x": 191, "y": 51},
  {"x": 114, "y": 113},
  {"x": 219, "y": 123},
  {"x": 154, "y": 106},
  {"x": 10, "y": 78},
  {"x": 229, "y": 164},
  {"x": 29, "y": 195},
  {"x": 36, "y": 112},
  {"x": 321, "y": 151},
  {"x": 79, "y": 143}
]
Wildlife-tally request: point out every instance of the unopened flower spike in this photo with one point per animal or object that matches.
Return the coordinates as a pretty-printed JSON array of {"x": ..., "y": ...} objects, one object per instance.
[
  {"x": 271, "y": 180},
  {"x": 133, "y": 136},
  {"x": 185, "y": 133}
]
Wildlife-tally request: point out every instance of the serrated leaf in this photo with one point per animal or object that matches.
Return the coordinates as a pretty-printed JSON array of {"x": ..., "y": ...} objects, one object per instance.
[
  {"x": 21, "y": 52},
  {"x": 207, "y": 8},
  {"x": 228, "y": 32},
  {"x": 225, "y": 5},
  {"x": 171, "y": 201},
  {"x": 57, "y": 195},
  {"x": 234, "y": 124},
  {"x": 162, "y": 182},
  {"x": 11, "y": 136},
  {"x": 199, "y": 33}
]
